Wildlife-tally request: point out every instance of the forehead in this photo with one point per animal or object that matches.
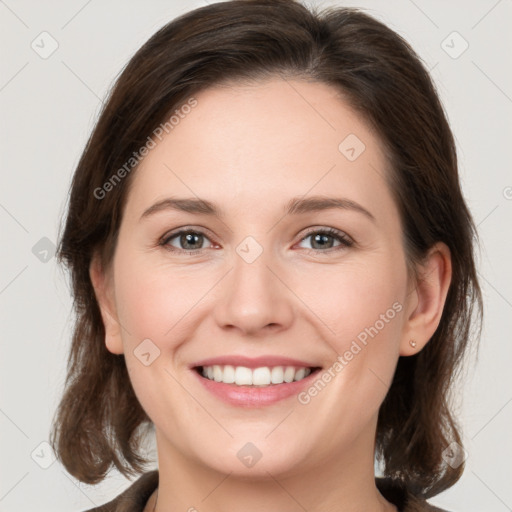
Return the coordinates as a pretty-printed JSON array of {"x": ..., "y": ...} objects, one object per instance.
[{"x": 264, "y": 142}]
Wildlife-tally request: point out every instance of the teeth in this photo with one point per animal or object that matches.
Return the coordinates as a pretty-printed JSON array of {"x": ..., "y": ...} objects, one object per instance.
[
  {"x": 243, "y": 376},
  {"x": 289, "y": 374},
  {"x": 263, "y": 376},
  {"x": 277, "y": 375},
  {"x": 228, "y": 375},
  {"x": 217, "y": 373},
  {"x": 299, "y": 374}
]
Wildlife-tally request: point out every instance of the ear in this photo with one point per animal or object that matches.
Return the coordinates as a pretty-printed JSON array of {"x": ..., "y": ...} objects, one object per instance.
[
  {"x": 427, "y": 299},
  {"x": 102, "y": 283}
]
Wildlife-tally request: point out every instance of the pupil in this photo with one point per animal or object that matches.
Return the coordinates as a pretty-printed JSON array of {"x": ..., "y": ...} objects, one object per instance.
[
  {"x": 189, "y": 237},
  {"x": 321, "y": 238}
]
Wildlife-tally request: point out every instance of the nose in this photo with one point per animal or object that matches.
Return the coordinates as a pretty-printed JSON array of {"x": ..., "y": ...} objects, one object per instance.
[{"x": 254, "y": 300}]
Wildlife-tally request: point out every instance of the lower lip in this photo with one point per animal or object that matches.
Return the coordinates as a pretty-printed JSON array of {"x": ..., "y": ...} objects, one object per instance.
[{"x": 253, "y": 396}]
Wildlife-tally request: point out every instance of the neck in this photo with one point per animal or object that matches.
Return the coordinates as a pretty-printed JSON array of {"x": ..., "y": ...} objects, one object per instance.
[{"x": 342, "y": 481}]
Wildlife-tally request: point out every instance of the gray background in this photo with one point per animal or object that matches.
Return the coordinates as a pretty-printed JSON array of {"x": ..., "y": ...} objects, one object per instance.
[{"x": 48, "y": 108}]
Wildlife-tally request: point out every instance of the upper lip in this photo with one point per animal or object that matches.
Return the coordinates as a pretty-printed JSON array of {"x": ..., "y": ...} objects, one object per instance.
[{"x": 253, "y": 362}]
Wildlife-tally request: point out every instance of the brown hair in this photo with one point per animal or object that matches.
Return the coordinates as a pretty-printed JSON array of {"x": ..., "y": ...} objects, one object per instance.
[{"x": 99, "y": 420}]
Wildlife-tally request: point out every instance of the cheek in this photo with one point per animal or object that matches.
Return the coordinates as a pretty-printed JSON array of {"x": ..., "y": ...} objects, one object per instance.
[
  {"x": 156, "y": 304},
  {"x": 359, "y": 312},
  {"x": 357, "y": 299},
  {"x": 152, "y": 301},
  {"x": 362, "y": 306}
]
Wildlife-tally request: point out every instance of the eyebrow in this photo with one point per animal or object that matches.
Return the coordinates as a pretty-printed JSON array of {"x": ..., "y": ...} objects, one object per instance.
[{"x": 296, "y": 206}]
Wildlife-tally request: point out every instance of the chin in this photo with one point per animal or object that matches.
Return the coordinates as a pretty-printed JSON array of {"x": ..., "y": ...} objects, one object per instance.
[{"x": 253, "y": 457}]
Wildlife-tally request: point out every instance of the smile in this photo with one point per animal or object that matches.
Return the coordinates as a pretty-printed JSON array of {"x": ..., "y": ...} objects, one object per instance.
[
  {"x": 260, "y": 382},
  {"x": 257, "y": 377}
]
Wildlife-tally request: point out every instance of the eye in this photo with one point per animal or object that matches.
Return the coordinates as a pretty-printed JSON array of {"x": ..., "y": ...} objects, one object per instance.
[
  {"x": 188, "y": 241},
  {"x": 322, "y": 240}
]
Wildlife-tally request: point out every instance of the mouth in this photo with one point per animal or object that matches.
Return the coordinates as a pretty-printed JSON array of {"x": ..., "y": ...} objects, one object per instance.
[
  {"x": 263, "y": 376},
  {"x": 261, "y": 386},
  {"x": 260, "y": 382}
]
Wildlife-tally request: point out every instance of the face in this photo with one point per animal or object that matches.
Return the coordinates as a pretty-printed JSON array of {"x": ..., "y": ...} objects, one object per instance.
[{"x": 301, "y": 266}]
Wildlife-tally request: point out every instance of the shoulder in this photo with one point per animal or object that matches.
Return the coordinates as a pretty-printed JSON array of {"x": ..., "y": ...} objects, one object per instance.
[
  {"x": 402, "y": 499},
  {"x": 134, "y": 498}
]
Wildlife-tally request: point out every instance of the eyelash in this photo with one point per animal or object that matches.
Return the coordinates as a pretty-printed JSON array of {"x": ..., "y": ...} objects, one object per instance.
[{"x": 344, "y": 240}]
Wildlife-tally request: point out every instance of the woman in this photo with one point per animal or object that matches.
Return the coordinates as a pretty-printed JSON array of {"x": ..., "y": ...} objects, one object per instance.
[{"x": 272, "y": 266}]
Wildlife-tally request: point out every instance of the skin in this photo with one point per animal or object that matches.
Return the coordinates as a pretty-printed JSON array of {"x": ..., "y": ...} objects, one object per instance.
[{"x": 250, "y": 149}]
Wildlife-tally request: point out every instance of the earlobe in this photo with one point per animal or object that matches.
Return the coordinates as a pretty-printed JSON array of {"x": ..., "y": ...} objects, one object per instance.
[
  {"x": 102, "y": 285},
  {"x": 430, "y": 292}
]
